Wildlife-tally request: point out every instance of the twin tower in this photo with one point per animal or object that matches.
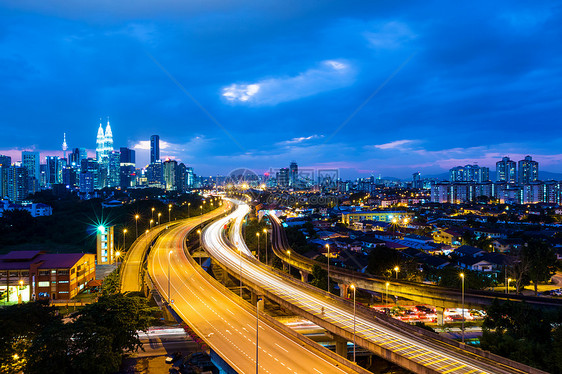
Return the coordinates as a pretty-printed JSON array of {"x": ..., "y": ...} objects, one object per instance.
[{"x": 104, "y": 143}]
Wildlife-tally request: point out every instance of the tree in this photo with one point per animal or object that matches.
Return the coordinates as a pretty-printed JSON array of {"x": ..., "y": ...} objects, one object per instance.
[
  {"x": 541, "y": 260},
  {"x": 19, "y": 325},
  {"x": 319, "y": 277},
  {"x": 382, "y": 260}
]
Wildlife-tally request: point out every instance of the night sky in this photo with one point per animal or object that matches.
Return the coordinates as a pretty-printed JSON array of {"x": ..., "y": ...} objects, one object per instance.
[{"x": 368, "y": 87}]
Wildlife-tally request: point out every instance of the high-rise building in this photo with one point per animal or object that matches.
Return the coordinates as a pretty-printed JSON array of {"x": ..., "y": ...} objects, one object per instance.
[
  {"x": 17, "y": 183},
  {"x": 506, "y": 171},
  {"x": 5, "y": 163},
  {"x": 100, "y": 143},
  {"x": 293, "y": 174},
  {"x": 154, "y": 148},
  {"x": 528, "y": 170},
  {"x": 155, "y": 174},
  {"x": 94, "y": 168},
  {"x": 76, "y": 156},
  {"x": 283, "y": 178},
  {"x": 469, "y": 173},
  {"x": 31, "y": 161},
  {"x": 114, "y": 168},
  {"x": 127, "y": 167},
  {"x": 170, "y": 174},
  {"x": 416, "y": 180},
  {"x": 53, "y": 170}
]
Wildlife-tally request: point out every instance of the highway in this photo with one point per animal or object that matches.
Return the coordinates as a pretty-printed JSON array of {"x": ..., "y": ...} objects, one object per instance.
[
  {"x": 440, "y": 297},
  {"x": 225, "y": 323},
  {"x": 131, "y": 268},
  {"x": 429, "y": 355}
]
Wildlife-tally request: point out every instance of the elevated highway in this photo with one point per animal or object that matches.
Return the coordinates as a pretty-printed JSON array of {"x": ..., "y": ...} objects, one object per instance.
[
  {"x": 414, "y": 349},
  {"x": 227, "y": 324},
  {"x": 132, "y": 266},
  {"x": 440, "y": 297}
]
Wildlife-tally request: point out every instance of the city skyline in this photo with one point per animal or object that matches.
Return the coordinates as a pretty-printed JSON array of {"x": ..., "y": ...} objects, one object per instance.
[{"x": 367, "y": 89}]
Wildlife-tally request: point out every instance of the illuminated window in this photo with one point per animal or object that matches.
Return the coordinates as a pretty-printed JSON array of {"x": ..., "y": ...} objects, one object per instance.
[{"x": 43, "y": 284}]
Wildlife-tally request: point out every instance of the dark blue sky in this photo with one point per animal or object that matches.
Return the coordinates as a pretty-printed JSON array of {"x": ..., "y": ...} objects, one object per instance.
[{"x": 239, "y": 84}]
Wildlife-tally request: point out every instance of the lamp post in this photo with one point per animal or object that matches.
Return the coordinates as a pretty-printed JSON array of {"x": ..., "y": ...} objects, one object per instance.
[
  {"x": 265, "y": 232},
  {"x": 150, "y": 223},
  {"x": 169, "y": 297},
  {"x": 169, "y": 213},
  {"x": 396, "y": 269},
  {"x": 159, "y": 214},
  {"x": 257, "y": 331},
  {"x": 328, "y": 247},
  {"x": 507, "y": 289},
  {"x": 137, "y": 225},
  {"x": 188, "y": 210},
  {"x": 201, "y": 207},
  {"x": 354, "y": 318},
  {"x": 124, "y": 240},
  {"x": 462, "y": 328},
  {"x": 289, "y": 254},
  {"x": 200, "y": 245},
  {"x": 152, "y": 213},
  {"x": 258, "y": 251}
]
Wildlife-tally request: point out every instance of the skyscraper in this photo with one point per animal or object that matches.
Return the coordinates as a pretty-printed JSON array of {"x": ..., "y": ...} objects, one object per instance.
[
  {"x": 528, "y": 170},
  {"x": 114, "y": 169},
  {"x": 100, "y": 143},
  {"x": 17, "y": 184},
  {"x": 30, "y": 161},
  {"x": 127, "y": 167},
  {"x": 53, "y": 170},
  {"x": 293, "y": 174},
  {"x": 170, "y": 171},
  {"x": 506, "y": 170},
  {"x": 154, "y": 148}
]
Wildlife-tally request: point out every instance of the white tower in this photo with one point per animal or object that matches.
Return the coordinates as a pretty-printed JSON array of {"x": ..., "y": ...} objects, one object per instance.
[
  {"x": 64, "y": 146},
  {"x": 108, "y": 140},
  {"x": 100, "y": 143}
]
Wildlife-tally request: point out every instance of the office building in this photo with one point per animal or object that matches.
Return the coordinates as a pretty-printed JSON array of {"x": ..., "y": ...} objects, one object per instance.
[
  {"x": 506, "y": 171},
  {"x": 155, "y": 174},
  {"x": 127, "y": 168},
  {"x": 154, "y": 148},
  {"x": 528, "y": 170},
  {"x": 31, "y": 161},
  {"x": 114, "y": 169},
  {"x": 17, "y": 184},
  {"x": 5, "y": 163},
  {"x": 283, "y": 178}
]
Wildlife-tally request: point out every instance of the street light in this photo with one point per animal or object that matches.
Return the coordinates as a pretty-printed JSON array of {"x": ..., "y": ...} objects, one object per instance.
[
  {"x": 124, "y": 240},
  {"x": 159, "y": 214},
  {"x": 265, "y": 232},
  {"x": 201, "y": 207},
  {"x": 169, "y": 213},
  {"x": 507, "y": 289},
  {"x": 354, "y": 318},
  {"x": 258, "y": 252},
  {"x": 328, "y": 246},
  {"x": 188, "y": 210},
  {"x": 151, "y": 221},
  {"x": 152, "y": 212},
  {"x": 462, "y": 280},
  {"x": 137, "y": 225},
  {"x": 169, "y": 298},
  {"x": 396, "y": 269},
  {"x": 289, "y": 254}
]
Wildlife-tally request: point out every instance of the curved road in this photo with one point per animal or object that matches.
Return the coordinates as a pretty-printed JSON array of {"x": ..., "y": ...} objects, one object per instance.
[{"x": 225, "y": 325}]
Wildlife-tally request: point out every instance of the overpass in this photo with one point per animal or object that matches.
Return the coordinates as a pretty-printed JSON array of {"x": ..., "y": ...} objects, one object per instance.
[
  {"x": 228, "y": 324},
  {"x": 131, "y": 275},
  {"x": 440, "y": 297},
  {"x": 415, "y": 349}
]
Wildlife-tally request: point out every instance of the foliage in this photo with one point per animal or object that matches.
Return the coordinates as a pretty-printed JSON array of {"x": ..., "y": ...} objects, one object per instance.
[
  {"x": 541, "y": 260},
  {"x": 319, "y": 277},
  {"x": 297, "y": 239},
  {"x": 111, "y": 283},
  {"x": 382, "y": 260},
  {"x": 92, "y": 342},
  {"x": 450, "y": 277},
  {"x": 523, "y": 333}
]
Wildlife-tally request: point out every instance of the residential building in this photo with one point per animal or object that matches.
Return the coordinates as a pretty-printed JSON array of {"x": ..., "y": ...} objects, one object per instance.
[
  {"x": 506, "y": 170},
  {"x": 528, "y": 170},
  {"x": 170, "y": 174},
  {"x": 31, "y": 161},
  {"x": 105, "y": 245},
  {"x": 18, "y": 189}
]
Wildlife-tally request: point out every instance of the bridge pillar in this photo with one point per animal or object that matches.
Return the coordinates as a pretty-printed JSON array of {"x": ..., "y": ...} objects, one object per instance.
[
  {"x": 255, "y": 298},
  {"x": 341, "y": 346},
  {"x": 304, "y": 276},
  {"x": 440, "y": 316},
  {"x": 343, "y": 289}
]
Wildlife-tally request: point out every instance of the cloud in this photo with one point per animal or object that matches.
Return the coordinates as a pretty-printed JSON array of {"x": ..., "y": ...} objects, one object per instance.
[
  {"x": 390, "y": 35},
  {"x": 300, "y": 140},
  {"x": 328, "y": 76},
  {"x": 397, "y": 144}
]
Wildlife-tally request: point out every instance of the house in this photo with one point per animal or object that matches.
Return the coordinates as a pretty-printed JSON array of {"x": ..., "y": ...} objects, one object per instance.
[
  {"x": 492, "y": 234},
  {"x": 447, "y": 236},
  {"x": 434, "y": 262},
  {"x": 476, "y": 264},
  {"x": 507, "y": 245},
  {"x": 467, "y": 251}
]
